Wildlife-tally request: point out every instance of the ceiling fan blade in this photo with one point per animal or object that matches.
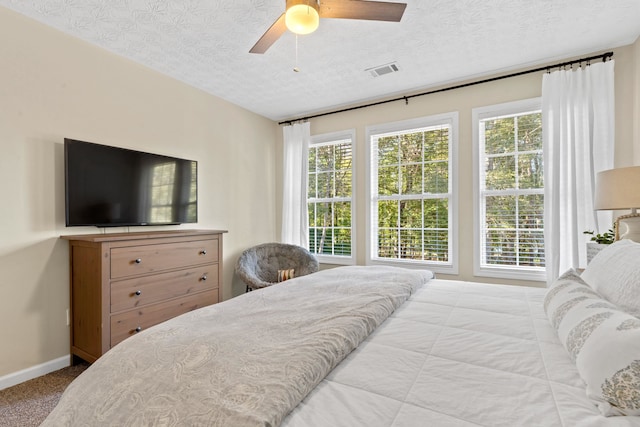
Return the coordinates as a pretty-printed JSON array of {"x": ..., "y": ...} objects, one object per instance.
[
  {"x": 360, "y": 9},
  {"x": 268, "y": 38}
]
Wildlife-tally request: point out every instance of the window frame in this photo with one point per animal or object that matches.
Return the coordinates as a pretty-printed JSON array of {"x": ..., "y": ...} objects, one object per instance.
[
  {"x": 329, "y": 139},
  {"x": 513, "y": 108},
  {"x": 449, "y": 119}
]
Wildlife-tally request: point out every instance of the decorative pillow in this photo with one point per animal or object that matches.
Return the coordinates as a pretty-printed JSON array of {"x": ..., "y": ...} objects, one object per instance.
[
  {"x": 603, "y": 341},
  {"x": 615, "y": 274},
  {"x": 567, "y": 291},
  {"x": 285, "y": 274}
]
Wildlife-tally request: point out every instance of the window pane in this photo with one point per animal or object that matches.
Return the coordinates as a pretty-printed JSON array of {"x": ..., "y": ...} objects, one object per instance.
[
  {"x": 342, "y": 212},
  {"x": 342, "y": 242},
  {"x": 530, "y": 132},
  {"x": 388, "y": 150},
  {"x": 436, "y": 145},
  {"x": 436, "y": 244},
  {"x": 531, "y": 248},
  {"x": 313, "y": 242},
  {"x": 343, "y": 183},
  {"x": 500, "y": 247},
  {"x": 312, "y": 185},
  {"x": 323, "y": 215},
  {"x": 436, "y": 213},
  {"x": 531, "y": 211},
  {"x": 388, "y": 180},
  {"x": 436, "y": 178},
  {"x": 325, "y": 158},
  {"x": 387, "y": 213},
  {"x": 411, "y": 214},
  {"x": 411, "y": 179},
  {"x": 312, "y": 159},
  {"x": 499, "y": 136},
  {"x": 500, "y": 211},
  {"x": 500, "y": 173},
  {"x": 530, "y": 173},
  {"x": 324, "y": 240},
  {"x": 411, "y": 148},
  {"x": 410, "y": 244},
  {"x": 325, "y": 185},
  {"x": 343, "y": 157},
  {"x": 387, "y": 243}
]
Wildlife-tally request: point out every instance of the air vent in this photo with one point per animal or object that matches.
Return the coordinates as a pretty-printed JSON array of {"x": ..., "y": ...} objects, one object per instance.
[{"x": 381, "y": 70}]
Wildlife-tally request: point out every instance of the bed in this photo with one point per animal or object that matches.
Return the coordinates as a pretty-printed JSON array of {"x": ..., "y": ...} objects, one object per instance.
[{"x": 369, "y": 346}]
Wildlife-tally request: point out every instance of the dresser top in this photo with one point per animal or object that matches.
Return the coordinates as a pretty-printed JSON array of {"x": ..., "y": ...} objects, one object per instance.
[{"x": 138, "y": 235}]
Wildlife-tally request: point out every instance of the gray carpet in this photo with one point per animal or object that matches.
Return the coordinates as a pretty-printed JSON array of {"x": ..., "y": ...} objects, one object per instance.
[{"x": 29, "y": 403}]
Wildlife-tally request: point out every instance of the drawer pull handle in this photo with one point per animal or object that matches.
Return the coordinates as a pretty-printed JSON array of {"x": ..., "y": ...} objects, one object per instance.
[
  {"x": 203, "y": 252},
  {"x": 138, "y": 329},
  {"x": 138, "y": 293},
  {"x": 204, "y": 277},
  {"x": 139, "y": 261}
]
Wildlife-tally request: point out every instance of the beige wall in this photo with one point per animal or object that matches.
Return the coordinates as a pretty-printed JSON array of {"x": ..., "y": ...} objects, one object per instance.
[
  {"x": 53, "y": 86},
  {"x": 463, "y": 101}
]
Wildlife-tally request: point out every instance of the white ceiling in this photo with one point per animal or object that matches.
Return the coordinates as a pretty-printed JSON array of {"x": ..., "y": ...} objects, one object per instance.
[{"x": 206, "y": 43}]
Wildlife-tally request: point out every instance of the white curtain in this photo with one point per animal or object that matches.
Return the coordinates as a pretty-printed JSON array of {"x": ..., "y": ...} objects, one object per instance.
[
  {"x": 578, "y": 134},
  {"x": 295, "y": 220}
]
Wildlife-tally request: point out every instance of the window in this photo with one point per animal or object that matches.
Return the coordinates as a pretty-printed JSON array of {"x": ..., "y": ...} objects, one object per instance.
[
  {"x": 412, "y": 208},
  {"x": 330, "y": 197},
  {"x": 509, "y": 193}
]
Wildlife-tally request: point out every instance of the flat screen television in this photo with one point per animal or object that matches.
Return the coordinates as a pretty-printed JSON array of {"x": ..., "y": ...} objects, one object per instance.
[{"x": 113, "y": 187}]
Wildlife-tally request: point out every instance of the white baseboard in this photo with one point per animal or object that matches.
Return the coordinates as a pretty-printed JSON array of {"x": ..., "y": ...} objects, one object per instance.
[{"x": 34, "y": 372}]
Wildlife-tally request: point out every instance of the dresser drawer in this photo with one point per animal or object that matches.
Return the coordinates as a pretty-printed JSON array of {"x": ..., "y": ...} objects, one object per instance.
[
  {"x": 130, "y": 322},
  {"x": 131, "y": 293},
  {"x": 137, "y": 260}
]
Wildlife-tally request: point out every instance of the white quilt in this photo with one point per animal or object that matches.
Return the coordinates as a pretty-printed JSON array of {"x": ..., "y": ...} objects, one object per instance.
[{"x": 457, "y": 354}]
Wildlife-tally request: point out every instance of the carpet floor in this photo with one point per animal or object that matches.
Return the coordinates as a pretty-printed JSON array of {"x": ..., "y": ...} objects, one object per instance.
[{"x": 29, "y": 403}]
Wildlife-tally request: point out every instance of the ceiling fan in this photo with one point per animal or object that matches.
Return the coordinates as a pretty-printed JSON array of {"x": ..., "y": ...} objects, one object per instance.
[{"x": 302, "y": 16}]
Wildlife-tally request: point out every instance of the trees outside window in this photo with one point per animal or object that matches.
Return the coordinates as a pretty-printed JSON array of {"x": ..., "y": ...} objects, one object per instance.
[
  {"x": 509, "y": 193},
  {"x": 411, "y": 203},
  {"x": 330, "y": 197}
]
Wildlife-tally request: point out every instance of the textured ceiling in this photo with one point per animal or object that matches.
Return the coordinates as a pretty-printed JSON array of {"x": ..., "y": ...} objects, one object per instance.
[{"x": 205, "y": 43}]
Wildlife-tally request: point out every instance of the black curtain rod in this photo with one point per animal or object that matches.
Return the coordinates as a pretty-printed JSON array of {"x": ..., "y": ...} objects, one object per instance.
[{"x": 603, "y": 56}]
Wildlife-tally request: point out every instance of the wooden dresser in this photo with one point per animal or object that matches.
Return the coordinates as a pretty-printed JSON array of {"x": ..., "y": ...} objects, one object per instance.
[{"x": 123, "y": 283}]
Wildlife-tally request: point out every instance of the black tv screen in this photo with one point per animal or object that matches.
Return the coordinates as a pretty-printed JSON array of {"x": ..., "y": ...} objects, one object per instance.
[{"x": 110, "y": 187}]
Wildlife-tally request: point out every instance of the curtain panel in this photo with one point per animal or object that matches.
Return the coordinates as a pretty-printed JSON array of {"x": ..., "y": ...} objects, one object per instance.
[
  {"x": 295, "y": 219},
  {"x": 578, "y": 135}
]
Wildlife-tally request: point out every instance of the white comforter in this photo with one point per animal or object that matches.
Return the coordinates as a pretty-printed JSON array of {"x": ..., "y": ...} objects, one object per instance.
[
  {"x": 244, "y": 362},
  {"x": 454, "y": 354},
  {"x": 457, "y": 354}
]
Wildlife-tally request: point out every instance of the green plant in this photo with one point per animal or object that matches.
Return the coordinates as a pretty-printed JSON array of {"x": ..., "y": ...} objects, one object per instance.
[{"x": 605, "y": 238}]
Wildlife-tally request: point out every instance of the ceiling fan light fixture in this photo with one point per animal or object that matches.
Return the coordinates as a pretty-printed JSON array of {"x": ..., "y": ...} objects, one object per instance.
[{"x": 302, "y": 16}]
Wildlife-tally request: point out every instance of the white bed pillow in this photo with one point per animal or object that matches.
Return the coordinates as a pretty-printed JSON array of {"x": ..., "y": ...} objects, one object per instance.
[
  {"x": 603, "y": 341},
  {"x": 615, "y": 274}
]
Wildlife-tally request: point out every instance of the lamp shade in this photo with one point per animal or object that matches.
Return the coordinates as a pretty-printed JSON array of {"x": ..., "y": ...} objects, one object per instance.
[
  {"x": 302, "y": 16},
  {"x": 618, "y": 189}
]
